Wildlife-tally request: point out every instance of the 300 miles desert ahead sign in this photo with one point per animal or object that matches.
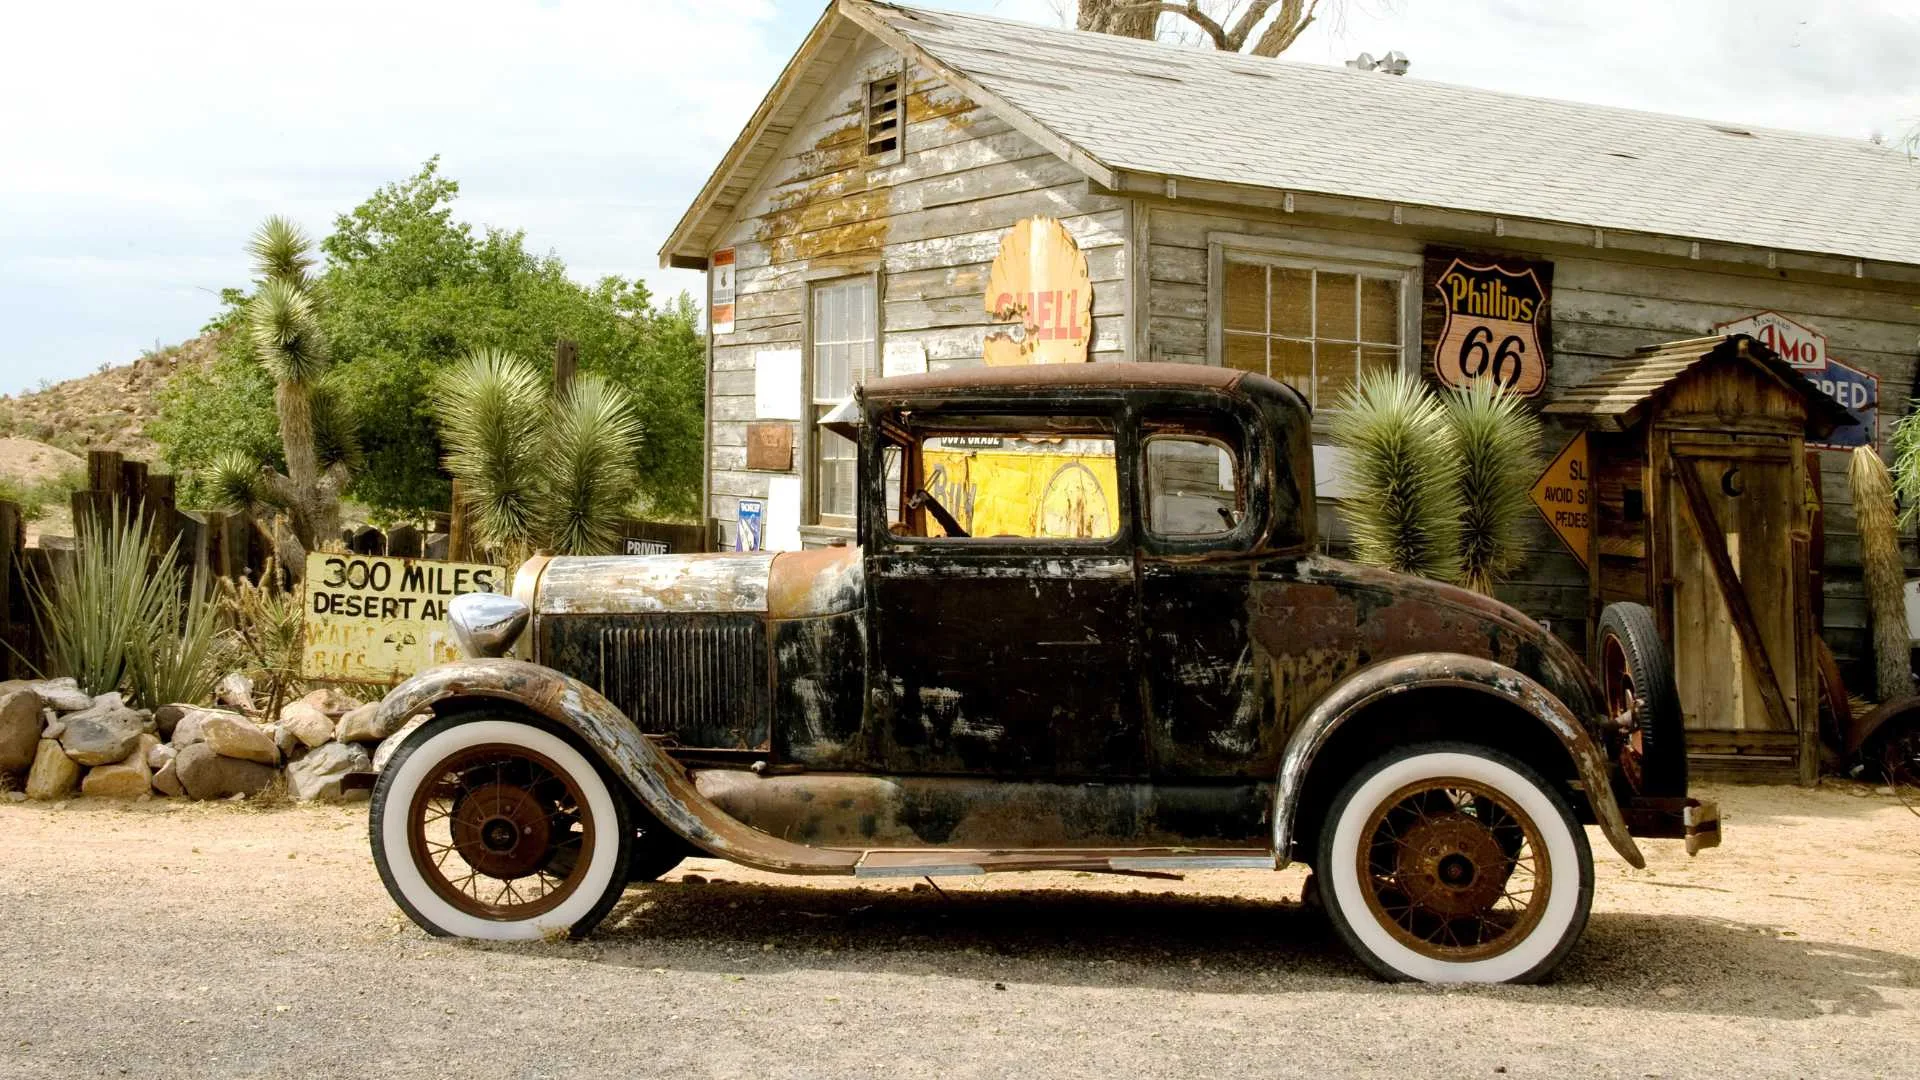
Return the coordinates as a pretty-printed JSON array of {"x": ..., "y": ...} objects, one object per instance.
[{"x": 375, "y": 619}]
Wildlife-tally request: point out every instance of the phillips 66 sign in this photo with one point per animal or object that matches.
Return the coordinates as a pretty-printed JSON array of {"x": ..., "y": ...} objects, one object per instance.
[{"x": 1486, "y": 316}]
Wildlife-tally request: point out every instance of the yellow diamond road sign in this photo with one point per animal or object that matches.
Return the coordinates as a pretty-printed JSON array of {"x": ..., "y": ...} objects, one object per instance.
[{"x": 1563, "y": 495}]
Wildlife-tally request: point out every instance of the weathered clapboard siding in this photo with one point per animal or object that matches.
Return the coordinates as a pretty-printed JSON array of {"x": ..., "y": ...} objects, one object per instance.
[
  {"x": 1605, "y": 304},
  {"x": 927, "y": 226}
]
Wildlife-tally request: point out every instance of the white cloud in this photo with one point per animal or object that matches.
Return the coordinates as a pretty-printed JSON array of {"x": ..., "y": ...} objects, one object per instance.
[{"x": 142, "y": 141}]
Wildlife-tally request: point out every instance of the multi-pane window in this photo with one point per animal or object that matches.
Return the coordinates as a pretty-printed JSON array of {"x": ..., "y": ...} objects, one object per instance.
[
  {"x": 842, "y": 334},
  {"x": 1315, "y": 326}
]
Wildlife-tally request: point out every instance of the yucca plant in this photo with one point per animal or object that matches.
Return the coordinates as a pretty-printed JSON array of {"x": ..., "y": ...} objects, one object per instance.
[
  {"x": 179, "y": 659},
  {"x": 592, "y": 450},
  {"x": 1903, "y": 445},
  {"x": 539, "y": 474},
  {"x": 1497, "y": 442},
  {"x": 491, "y": 410},
  {"x": 101, "y": 600},
  {"x": 1404, "y": 470},
  {"x": 266, "y": 629}
]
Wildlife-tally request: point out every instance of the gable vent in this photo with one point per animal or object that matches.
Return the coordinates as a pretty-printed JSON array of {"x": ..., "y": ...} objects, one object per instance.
[{"x": 884, "y": 115}]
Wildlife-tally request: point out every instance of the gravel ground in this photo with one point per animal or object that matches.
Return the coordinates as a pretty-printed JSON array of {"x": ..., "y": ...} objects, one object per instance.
[{"x": 166, "y": 939}]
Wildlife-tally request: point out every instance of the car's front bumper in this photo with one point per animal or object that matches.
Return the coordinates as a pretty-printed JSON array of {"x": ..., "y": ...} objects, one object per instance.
[{"x": 1697, "y": 821}]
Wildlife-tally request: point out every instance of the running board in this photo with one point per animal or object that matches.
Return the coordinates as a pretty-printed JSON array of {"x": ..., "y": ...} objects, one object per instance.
[{"x": 952, "y": 862}]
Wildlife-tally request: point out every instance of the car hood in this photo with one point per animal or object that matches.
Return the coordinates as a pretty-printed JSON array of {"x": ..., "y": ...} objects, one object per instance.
[{"x": 783, "y": 585}]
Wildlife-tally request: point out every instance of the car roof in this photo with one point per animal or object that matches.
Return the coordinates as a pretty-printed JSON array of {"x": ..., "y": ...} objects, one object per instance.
[{"x": 1121, "y": 375}]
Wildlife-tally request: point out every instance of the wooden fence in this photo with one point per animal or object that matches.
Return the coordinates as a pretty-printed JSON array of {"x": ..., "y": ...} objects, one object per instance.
[{"x": 218, "y": 544}]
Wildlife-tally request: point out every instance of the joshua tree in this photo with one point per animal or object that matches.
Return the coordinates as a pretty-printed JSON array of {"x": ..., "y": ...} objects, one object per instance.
[
  {"x": 541, "y": 472},
  {"x": 282, "y": 324},
  {"x": 1498, "y": 444}
]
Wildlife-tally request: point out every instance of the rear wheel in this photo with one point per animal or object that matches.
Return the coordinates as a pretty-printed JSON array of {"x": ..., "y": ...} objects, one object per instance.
[
  {"x": 492, "y": 827},
  {"x": 1449, "y": 862}
]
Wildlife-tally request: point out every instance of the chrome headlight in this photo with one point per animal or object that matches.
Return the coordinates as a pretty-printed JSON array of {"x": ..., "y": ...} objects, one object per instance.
[{"x": 486, "y": 624}]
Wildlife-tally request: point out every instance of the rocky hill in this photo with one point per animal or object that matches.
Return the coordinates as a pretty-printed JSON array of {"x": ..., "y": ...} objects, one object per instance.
[{"x": 107, "y": 410}]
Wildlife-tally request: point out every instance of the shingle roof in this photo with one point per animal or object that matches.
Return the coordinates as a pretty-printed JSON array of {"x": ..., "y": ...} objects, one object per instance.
[
  {"x": 1159, "y": 109},
  {"x": 1617, "y": 398}
]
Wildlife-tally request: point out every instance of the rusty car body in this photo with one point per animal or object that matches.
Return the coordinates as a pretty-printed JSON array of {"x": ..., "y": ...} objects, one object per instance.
[{"x": 1184, "y": 685}]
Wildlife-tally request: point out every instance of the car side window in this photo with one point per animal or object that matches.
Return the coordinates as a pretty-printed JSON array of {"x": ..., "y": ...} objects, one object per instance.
[{"x": 1193, "y": 485}]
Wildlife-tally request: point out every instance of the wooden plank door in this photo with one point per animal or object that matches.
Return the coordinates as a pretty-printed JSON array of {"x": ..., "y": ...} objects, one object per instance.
[{"x": 1731, "y": 515}]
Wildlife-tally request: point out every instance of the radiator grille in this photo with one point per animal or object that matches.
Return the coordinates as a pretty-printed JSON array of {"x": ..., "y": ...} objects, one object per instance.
[{"x": 701, "y": 680}]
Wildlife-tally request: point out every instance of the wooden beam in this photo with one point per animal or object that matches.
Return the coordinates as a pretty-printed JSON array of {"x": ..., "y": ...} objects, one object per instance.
[{"x": 1706, "y": 529}]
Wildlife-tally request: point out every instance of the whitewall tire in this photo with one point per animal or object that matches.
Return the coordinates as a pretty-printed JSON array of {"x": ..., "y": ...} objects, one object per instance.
[
  {"x": 1450, "y": 862},
  {"x": 490, "y": 826}
]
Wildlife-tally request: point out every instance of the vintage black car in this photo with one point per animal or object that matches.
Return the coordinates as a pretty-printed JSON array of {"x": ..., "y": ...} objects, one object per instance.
[{"x": 1083, "y": 627}]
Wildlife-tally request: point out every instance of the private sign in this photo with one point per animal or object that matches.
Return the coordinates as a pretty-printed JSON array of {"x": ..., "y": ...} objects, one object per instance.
[
  {"x": 374, "y": 619},
  {"x": 1563, "y": 496}
]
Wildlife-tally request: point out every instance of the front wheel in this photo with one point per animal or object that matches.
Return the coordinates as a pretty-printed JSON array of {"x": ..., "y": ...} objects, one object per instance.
[
  {"x": 1449, "y": 862},
  {"x": 495, "y": 828}
]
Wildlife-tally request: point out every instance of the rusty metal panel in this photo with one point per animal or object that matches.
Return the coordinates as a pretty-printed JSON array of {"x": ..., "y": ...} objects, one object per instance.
[
  {"x": 698, "y": 679},
  {"x": 819, "y": 683}
]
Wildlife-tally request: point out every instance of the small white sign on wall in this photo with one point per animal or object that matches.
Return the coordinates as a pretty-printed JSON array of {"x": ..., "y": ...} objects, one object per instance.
[
  {"x": 903, "y": 358},
  {"x": 777, "y": 393},
  {"x": 783, "y": 514}
]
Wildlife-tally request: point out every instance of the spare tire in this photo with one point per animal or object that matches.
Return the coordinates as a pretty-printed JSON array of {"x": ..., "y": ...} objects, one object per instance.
[{"x": 1642, "y": 703}]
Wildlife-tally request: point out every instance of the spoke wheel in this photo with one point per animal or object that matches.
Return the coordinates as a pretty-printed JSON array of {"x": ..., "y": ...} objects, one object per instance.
[
  {"x": 498, "y": 830},
  {"x": 1623, "y": 711},
  {"x": 1454, "y": 862},
  {"x": 494, "y": 826},
  {"x": 1454, "y": 870}
]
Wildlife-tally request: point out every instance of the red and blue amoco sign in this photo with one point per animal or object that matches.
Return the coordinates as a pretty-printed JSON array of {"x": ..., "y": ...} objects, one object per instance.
[{"x": 1805, "y": 348}]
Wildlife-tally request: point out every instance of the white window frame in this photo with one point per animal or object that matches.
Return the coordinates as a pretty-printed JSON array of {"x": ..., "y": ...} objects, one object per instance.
[
  {"x": 816, "y": 406},
  {"x": 1276, "y": 251}
]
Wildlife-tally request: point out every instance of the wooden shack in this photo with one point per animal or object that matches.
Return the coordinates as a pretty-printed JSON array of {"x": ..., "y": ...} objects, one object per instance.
[
  {"x": 1312, "y": 223},
  {"x": 1702, "y": 509}
]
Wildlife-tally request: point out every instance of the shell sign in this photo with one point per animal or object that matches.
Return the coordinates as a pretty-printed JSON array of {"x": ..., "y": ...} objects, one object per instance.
[{"x": 1039, "y": 285}]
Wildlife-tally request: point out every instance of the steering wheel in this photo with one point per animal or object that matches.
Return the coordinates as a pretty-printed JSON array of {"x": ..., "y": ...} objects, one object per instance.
[{"x": 926, "y": 498}]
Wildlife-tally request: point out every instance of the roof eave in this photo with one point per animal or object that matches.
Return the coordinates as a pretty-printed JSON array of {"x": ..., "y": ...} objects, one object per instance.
[{"x": 1141, "y": 183}]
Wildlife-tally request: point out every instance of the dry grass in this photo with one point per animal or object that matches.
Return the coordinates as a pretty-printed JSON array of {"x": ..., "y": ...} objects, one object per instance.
[{"x": 107, "y": 410}]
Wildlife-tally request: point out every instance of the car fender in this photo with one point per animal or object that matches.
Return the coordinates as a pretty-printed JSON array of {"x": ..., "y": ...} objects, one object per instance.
[
  {"x": 1422, "y": 671},
  {"x": 656, "y": 781}
]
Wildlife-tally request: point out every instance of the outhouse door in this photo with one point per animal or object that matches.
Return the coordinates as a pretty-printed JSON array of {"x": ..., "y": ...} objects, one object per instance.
[{"x": 1734, "y": 511}]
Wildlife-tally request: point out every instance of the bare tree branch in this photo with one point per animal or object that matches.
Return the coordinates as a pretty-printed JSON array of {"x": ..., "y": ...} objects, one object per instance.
[
  {"x": 1141, "y": 19},
  {"x": 1286, "y": 27},
  {"x": 1243, "y": 28}
]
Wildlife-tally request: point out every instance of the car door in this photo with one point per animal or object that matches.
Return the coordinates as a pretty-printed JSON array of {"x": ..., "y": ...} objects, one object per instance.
[
  {"x": 1207, "y": 688},
  {"x": 1009, "y": 653}
]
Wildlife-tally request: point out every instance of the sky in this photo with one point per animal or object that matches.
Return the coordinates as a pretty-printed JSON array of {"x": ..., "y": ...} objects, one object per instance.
[{"x": 140, "y": 143}]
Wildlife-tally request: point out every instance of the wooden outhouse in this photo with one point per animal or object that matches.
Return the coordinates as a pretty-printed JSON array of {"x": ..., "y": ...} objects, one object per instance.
[{"x": 1703, "y": 509}]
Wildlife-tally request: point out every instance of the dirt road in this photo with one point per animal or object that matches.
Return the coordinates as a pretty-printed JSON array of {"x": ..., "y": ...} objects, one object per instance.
[{"x": 175, "y": 940}]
